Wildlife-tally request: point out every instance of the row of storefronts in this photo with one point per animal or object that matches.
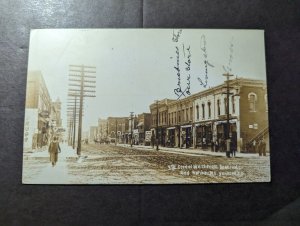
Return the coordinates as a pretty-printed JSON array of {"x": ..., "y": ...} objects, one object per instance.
[
  {"x": 205, "y": 120},
  {"x": 42, "y": 116},
  {"x": 202, "y": 121}
]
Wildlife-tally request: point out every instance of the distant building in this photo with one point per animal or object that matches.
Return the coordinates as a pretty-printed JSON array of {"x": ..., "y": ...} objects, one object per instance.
[
  {"x": 117, "y": 127},
  {"x": 159, "y": 119},
  {"x": 143, "y": 125},
  {"x": 102, "y": 129},
  {"x": 56, "y": 113},
  {"x": 93, "y": 133}
]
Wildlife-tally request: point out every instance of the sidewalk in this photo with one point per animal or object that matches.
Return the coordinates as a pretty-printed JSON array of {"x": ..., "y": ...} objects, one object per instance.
[
  {"x": 66, "y": 152},
  {"x": 190, "y": 151}
]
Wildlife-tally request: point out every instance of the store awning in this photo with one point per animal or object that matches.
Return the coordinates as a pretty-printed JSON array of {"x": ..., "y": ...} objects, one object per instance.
[
  {"x": 186, "y": 126},
  {"x": 225, "y": 121},
  {"x": 171, "y": 128}
]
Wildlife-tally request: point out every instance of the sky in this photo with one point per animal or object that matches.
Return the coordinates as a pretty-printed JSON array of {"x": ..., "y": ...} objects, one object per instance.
[{"x": 135, "y": 67}]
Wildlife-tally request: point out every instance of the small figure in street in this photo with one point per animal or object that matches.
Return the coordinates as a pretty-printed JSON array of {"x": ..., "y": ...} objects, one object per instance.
[
  {"x": 216, "y": 145},
  {"x": 233, "y": 148},
  {"x": 262, "y": 147},
  {"x": 54, "y": 149},
  {"x": 254, "y": 146}
]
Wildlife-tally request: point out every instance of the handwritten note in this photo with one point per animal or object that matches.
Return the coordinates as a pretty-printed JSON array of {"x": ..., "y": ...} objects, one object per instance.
[
  {"x": 176, "y": 35},
  {"x": 179, "y": 91},
  {"x": 228, "y": 68},
  {"x": 206, "y": 62}
]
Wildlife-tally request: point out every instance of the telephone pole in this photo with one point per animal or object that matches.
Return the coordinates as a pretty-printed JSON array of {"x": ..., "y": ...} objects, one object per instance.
[
  {"x": 81, "y": 78},
  {"x": 227, "y": 136}
]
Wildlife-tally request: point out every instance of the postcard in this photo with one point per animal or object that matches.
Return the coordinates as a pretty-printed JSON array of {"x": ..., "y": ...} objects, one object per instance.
[{"x": 146, "y": 106}]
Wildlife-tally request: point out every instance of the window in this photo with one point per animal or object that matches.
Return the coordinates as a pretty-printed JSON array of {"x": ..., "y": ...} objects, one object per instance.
[
  {"x": 186, "y": 114},
  {"x": 218, "y": 106},
  {"x": 179, "y": 118},
  {"x": 233, "y": 104},
  {"x": 197, "y": 110},
  {"x": 209, "y": 109},
  {"x": 203, "y": 111},
  {"x": 252, "y": 98},
  {"x": 225, "y": 105}
]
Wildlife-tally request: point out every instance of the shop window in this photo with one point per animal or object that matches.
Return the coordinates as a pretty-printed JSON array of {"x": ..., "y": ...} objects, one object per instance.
[
  {"x": 197, "y": 110},
  {"x": 209, "y": 109},
  {"x": 219, "y": 107},
  {"x": 252, "y": 99},
  {"x": 203, "y": 111}
]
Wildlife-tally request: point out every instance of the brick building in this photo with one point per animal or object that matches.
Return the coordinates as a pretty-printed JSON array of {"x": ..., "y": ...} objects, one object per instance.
[{"x": 37, "y": 111}]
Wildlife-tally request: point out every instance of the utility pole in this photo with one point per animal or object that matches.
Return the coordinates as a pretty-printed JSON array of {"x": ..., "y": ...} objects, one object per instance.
[
  {"x": 156, "y": 132},
  {"x": 227, "y": 75},
  {"x": 131, "y": 129},
  {"x": 81, "y": 80},
  {"x": 73, "y": 117}
]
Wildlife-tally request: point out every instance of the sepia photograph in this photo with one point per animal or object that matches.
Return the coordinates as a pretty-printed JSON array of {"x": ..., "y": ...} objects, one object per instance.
[{"x": 146, "y": 106}]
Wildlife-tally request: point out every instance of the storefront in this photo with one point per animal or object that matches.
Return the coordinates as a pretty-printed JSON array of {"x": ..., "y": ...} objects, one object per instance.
[
  {"x": 221, "y": 131},
  {"x": 204, "y": 135},
  {"x": 162, "y": 136},
  {"x": 186, "y": 136},
  {"x": 170, "y": 137}
]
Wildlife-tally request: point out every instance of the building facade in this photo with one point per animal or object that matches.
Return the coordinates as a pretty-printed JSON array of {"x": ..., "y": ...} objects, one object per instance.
[
  {"x": 200, "y": 120},
  {"x": 38, "y": 106},
  {"x": 143, "y": 125}
]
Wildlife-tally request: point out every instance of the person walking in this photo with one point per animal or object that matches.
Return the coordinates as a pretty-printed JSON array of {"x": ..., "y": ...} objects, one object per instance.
[
  {"x": 263, "y": 146},
  {"x": 54, "y": 149}
]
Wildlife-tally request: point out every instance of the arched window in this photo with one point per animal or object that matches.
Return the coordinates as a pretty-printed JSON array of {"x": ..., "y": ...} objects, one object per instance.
[
  {"x": 203, "y": 111},
  {"x": 218, "y": 106},
  {"x": 225, "y": 105},
  {"x": 197, "y": 110},
  {"x": 233, "y": 104},
  {"x": 252, "y": 99}
]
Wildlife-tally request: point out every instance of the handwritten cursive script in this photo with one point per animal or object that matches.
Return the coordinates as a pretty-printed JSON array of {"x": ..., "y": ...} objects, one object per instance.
[
  {"x": 188, "y": 69},
  {"x": 228, "y": 68},
  {"x": 206, "y": 63},
  {"x": 178, "y": 91},
  {"x": 176, "y": 35}
]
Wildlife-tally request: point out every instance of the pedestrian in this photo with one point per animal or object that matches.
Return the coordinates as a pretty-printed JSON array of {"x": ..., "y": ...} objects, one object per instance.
[
  {"x": 54, "y": 149},
  {"x": 263, "y": 146},
  {"x": 233, "y": 148},
  {"x": 216, "y": 146},
  {"x": 254, "y": 146}
]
